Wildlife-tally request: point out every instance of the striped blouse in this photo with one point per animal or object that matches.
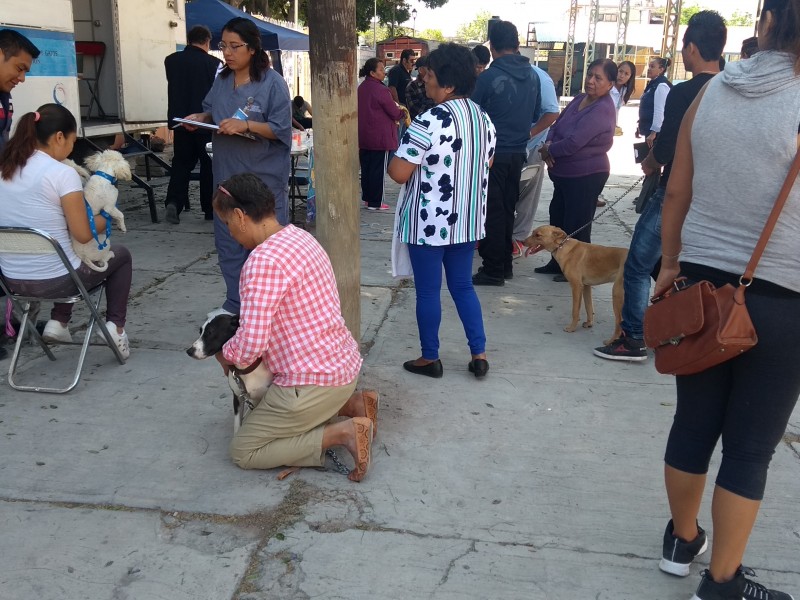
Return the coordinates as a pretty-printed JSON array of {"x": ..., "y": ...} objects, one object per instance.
[{"x": 444, "y": 200}]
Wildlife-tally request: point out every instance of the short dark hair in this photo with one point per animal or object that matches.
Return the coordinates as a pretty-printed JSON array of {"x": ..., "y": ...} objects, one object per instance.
[
  {"x": 482, "y": 54},
  {"x": 407, "y": 53},
  {"x": 454, "y": 66},
  {"x": 247, "y": 193},
  {"x": 251, "y": 36},
  {"x": 12, "y": 43},
  {"x": 706, "y": 30},
  {"x": 422, "y": 61},
  {"x": 749, "y": 47},
  {"x": 609, "y": 68},
  {"x": 199, "y": 34},
  {"x": 504, "y": 36},
  {"x": 299, "y": 101}
]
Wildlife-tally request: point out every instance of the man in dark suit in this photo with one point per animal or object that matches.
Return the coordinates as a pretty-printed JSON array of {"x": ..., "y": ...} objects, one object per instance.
[{"x": 190, "y": 74}]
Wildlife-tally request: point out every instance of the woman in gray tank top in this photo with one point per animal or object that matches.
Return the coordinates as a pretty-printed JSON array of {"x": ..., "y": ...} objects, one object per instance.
[{"x": 735, "y": 147}]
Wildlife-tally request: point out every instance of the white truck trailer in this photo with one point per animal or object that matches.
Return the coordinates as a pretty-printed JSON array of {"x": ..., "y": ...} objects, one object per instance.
[
  {"x": 104, "y": 61},
  {"x": 134, "y": 36}
]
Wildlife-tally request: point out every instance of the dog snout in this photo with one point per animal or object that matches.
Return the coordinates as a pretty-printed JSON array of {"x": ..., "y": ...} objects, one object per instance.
[{"x": 196, "y": 351}]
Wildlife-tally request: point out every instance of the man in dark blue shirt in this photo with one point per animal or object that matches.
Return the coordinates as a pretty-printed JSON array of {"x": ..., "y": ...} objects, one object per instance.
[
  {"x": 509, "y": 93},
  {"x": 703, "y": 43},
  {"x": 17, "y": 54},
  {"x": 190, "y": 74}
]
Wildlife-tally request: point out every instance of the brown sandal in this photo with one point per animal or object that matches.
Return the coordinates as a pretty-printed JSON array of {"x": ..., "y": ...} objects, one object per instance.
[
  {"x": 363, "y": 431},
  {"x": 371, "y": 405}
]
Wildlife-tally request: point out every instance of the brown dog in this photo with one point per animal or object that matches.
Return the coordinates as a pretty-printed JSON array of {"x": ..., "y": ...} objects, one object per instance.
[{"x": 584, "y": 265}]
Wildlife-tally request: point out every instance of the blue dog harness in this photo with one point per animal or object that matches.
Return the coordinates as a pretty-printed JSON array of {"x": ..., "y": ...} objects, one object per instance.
[{"x": 92, "y": 226}]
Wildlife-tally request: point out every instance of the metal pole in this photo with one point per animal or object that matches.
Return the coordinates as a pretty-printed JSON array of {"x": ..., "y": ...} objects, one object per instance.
[
  {"x": 375, "y": 27},
  {"x": 297, "y": 55}
]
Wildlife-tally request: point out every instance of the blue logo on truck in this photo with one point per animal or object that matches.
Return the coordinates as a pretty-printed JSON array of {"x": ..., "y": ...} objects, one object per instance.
[{"x": 57, "y": 58}]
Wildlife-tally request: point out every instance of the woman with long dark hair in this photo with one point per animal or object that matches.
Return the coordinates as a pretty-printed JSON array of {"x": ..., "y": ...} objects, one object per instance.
[
  {"x": 378, "y": 116},
  {"x": 250, "y": 102},
  {"x": 651, "y": 104},
  {"x": 714, "y": 212},
  {"x": 624, "y": 87},
  {"x": 37, "y": 190}
]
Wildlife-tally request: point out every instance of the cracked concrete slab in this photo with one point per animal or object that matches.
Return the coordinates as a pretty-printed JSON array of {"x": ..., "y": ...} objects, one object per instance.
[
  {"x": 54, "y": 552},
  {"x": 543, "y": 481}
]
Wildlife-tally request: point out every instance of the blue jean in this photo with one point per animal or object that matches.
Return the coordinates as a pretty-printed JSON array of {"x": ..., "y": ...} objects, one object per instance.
[
  {"x": 643, "y": 255},
  {"x": 426, "y": 263}
]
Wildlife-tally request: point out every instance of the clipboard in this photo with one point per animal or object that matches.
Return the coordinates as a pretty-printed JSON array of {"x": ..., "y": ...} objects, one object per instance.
[
  {"x": 210, "y": 126},
  {"x": 201, "y": 124}
]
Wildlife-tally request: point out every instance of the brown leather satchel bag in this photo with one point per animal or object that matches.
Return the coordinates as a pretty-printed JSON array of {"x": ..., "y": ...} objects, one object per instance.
[{"x": 693, "y": 327}]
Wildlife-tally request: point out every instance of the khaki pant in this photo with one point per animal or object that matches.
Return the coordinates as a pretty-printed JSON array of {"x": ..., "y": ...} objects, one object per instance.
[{"x": 285, "y": 429}]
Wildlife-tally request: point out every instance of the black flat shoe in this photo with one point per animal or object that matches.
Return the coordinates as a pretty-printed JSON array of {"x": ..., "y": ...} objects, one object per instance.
[
  {"x": 550, "y": 268},
  {"x": 481, "y": 278},
  {"x": 433, "y": 369},
  {"x": 479, "y": 366},
  {"x": 560, "y": 278}
]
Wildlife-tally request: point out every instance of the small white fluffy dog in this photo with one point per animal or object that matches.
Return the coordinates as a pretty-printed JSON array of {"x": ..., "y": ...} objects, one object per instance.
[{"x": 101, "y": 194}]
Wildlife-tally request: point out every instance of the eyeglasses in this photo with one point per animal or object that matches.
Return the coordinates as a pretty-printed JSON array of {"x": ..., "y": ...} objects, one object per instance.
[{"x": 232, "y": 47}]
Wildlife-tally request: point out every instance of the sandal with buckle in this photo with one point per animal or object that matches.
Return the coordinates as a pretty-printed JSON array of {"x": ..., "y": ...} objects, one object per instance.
[{"x": 363, "y": 431}]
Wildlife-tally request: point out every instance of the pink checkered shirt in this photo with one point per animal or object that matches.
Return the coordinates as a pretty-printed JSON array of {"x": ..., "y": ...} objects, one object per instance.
[{"x": 291, "y": 314}]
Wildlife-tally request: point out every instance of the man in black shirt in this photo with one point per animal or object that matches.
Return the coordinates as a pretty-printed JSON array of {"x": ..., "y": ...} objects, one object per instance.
[
  {"x": 400, "y": 76},
  {"x": 190, "y": 74},
  {"x": 703, "y": 43}
]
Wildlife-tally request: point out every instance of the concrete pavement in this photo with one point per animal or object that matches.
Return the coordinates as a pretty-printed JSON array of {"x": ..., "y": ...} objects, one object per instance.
[{"x": 542, "y": 481}]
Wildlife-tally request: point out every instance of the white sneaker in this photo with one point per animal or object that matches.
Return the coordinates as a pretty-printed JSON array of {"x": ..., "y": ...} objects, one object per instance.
[
  {"x": 121, "y": 341},
  {"x": 56, "y": 332}
]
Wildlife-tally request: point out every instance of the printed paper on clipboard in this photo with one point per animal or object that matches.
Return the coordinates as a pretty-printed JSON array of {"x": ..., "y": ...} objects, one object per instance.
[
  {"x": 201, "y": 124},
  {"x": 212, "y": 126}
]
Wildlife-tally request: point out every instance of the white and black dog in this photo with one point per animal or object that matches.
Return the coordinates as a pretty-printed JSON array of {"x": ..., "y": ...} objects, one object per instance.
[{"x": 250, "y": 383}]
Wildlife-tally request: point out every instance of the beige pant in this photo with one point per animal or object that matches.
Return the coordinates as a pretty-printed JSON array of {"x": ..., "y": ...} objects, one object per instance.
[{"x": 285, "y": 429}]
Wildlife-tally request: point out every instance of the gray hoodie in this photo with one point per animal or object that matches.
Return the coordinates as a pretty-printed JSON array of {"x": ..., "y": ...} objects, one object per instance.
[{"x": 744, "y": 138}]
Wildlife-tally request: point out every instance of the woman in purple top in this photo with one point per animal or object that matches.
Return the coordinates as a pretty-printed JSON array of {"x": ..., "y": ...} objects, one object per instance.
[
  {"x": 377, "y": 131},
  {"x": 576, "y": 154}
]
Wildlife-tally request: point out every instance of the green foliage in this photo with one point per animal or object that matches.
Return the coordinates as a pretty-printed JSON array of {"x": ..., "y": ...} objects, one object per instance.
[
  {"x": 390, "y": 12},
  {"x": 687, "y": 12},
  {"x": 431, "y": 34},
  {"x": 741, "y": 19},
  {"x": 475, "y": 29}
]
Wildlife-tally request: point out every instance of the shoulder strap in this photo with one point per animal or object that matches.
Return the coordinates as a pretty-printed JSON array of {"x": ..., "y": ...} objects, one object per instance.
[{"x": 794, "y": 170}]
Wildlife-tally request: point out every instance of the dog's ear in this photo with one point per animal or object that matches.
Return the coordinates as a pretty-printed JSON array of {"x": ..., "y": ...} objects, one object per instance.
[
  {"x": 122, "y": 169},
  {"x": 559, "y": 235},
  {"x": 235, "y": 322},
  {"x": 92, "y": 161}
]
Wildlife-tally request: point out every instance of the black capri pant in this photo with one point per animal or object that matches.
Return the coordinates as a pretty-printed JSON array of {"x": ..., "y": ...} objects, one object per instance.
[
  {"x": 575, "y": 201},
  {"x": 747, "y": 401}
]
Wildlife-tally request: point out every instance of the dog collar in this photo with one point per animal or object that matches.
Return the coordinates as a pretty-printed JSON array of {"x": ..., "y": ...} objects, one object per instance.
[
  {"x": 561, "y": 245},
  {"x": 106, "y": 176},
  {"x": 249, "y": 369}
]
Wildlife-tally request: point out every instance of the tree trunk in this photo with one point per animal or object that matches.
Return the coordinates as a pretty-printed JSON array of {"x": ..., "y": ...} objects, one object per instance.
[{"x": 332, "y": 49}]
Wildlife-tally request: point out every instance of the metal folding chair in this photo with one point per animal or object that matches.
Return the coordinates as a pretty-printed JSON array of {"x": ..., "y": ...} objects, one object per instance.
[
  {"x": 25, "y": 240},
  {"x": 97, "y": 52}
]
